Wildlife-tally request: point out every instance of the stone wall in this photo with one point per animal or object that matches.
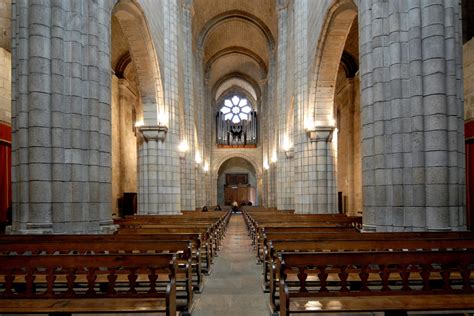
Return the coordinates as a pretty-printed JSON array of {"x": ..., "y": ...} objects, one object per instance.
[
  {"x": 115, "y": 134},
  {"x": 468, "y": 59},
  {"x": 5, "y": 86},
  {"x": 349, "y": 176},
  {"x": 5, "y": 24}
]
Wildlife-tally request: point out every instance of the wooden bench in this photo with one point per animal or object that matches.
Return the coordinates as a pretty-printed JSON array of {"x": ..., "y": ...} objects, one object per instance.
[
  {"x": 329, "y": 246},
  {"x": 258, "y": 223},
  {"x": 195, "y": 239},
  {"x": 260, "y": 242},
  {"x": 215, "y": 223},
  {"x": 73, "y": 283},
  {"x": 182, "y": 249},
  {"x": 412, "y": 290},
  {"x": 206, "y": 241}
]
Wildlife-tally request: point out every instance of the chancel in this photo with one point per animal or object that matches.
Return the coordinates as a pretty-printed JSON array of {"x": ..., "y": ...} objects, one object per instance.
[{"x": 236, "y": 157}]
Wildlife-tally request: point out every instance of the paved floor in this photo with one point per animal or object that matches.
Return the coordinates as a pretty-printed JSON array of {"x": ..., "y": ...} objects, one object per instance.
[{"x": 234, "y": 286}]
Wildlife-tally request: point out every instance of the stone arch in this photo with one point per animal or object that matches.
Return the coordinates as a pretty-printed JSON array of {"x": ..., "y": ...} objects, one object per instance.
[
  {"x": 135, "y": 28},
  {"x": 238, "y": 75},
  {"x": 241, "y": 51},
  {"x": 235, "y": 154},
  {"x": 329, "y": 52},
  {"x": 236, "y": 15}
]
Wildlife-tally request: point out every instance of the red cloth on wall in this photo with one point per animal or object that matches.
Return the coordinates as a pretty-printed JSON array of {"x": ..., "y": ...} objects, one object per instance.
[
  {"x": 5, "y": 171},
  {"x": 469, "y": 136}
]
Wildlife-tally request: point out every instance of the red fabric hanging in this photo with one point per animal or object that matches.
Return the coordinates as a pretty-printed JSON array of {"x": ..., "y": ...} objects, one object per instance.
[
  {"x": 5, "y": 171},
  {"x": 469, "y": 136}
]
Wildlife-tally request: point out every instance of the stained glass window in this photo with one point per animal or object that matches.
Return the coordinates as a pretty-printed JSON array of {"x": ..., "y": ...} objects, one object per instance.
[{"x": 236, "y": 109}]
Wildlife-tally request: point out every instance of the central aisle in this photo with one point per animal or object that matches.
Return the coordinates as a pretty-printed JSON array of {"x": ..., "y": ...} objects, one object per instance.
[{"x": 234, "y": 286}]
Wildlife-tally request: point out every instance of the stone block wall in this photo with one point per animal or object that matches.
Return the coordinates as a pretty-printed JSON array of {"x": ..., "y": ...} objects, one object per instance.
[
  {"x": 5, "y": 86},
  {"x": 5, "y": 24}
]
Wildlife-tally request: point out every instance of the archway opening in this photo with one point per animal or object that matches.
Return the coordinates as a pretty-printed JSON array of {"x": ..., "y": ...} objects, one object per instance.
[
  {"x": 237, "y": 181},
  {"x": 348, "y": 124}
]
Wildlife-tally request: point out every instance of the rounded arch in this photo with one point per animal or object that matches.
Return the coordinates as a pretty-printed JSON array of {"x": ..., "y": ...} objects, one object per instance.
[
  {"x": 135, "y": 28},
  {"x": 240, "y": 76},
  {"x": 240, "y": 51},
  {"x": 221, "y": 160},
  {"x": 236, "y": 15},
  {"x": 236, "y": 165},
  {"x": 235, "y": 82},
  {"x": 330, "y": 49}
]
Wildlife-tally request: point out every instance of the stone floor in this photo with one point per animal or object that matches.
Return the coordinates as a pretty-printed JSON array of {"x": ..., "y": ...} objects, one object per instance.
[{"x": 234, "y": 286}]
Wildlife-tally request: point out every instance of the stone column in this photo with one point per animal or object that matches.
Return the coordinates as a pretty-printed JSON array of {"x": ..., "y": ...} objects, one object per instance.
[
  {"x": 284, "y": 175},
  {"x": 61, "y": 120},
  {"x": 412, "y": 115},
  {"x": 188, "y": 174},
  {"x": 158, "y": 156},
  {"x": 200, "y": 112},
  {"x": 314, "y": 162}
]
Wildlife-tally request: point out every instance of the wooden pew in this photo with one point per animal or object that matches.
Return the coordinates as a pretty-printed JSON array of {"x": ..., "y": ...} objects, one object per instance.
[
  {"x": 206, "y": 241},
  {"x": 216, "y": 222},
  {"x": 356, "y": 236},
  {"x": 182, "y": 249},
  {"x": 340, "y": 245},
  {"x": 258, "y": 222},
  {"x": 194, "y": 238},
  {"x": 411, "y": 290},
  {"x": 71, "y": 283}
]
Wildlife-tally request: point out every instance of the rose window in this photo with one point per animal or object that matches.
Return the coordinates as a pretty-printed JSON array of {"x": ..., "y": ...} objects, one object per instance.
[{"x": 236, "y": 109}]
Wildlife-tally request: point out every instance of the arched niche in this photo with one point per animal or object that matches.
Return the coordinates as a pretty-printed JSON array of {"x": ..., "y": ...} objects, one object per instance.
[{"x": 236, "y": 181}]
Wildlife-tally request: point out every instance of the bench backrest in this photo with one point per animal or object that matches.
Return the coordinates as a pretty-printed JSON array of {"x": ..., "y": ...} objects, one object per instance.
[
  {"x": 409, "y": 266},
  {"x": 182, "y": 248},
  {"x": 58, "y": 276},
  {"x": 276, "y": 246}
]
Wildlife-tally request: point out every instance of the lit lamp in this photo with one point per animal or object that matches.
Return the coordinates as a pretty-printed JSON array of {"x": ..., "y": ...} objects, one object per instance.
[
  {"x": 274, "y": 158},
  {"x": 320, "y": 133},
  {"x": 288, "y": 148},
  {"x": 183, "y": 148},
  {"x": 206, "y": 167},
  {"x": 266, "y": 166},
  {"x": 197, "y": 158}
]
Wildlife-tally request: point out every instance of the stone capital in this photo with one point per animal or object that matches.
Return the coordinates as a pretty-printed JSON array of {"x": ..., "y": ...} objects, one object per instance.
[{"x": 152, "y": 132}]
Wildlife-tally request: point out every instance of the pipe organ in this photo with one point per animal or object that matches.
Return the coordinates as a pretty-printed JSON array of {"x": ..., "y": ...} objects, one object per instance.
[{"x": 241, "y": 133}]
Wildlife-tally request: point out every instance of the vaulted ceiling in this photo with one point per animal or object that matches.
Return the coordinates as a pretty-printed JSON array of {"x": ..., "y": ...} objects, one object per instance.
[{"x": 236, "y": 38}]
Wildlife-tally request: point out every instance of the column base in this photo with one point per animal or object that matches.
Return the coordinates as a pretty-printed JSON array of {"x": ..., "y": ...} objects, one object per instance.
[{"x": 31, "y": 229}]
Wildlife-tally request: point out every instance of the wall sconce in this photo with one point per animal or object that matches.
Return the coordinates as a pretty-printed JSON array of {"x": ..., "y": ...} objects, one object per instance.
[
  {"x": 320, "y": 133},
  {"x": 153, "y": 132},
  {"x": 266, "y": 166},
  {"x": 288, "y": 147},
  {"x": 205, "y": 168},
  {"x": 274, "y": 157},
  {"x": 197, "y": 158},
  {"x": 183, "y": 148}
]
